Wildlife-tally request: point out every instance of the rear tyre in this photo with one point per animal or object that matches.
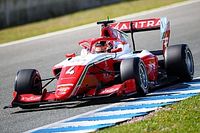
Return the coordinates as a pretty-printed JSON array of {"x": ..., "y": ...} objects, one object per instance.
[
  {"x": 135, "y": 68},
  {"x": 28, "y": 81},
  {"x": 179, "y": 62}
]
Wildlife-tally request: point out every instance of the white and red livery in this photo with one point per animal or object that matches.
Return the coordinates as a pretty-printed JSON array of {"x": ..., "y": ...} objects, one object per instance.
[{"x": 121, "y": 71}]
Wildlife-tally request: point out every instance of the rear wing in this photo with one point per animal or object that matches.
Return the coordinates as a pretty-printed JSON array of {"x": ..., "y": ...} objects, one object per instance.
[
  {"x": 138, "y": 25},
  {"x": 161, "y": 24}
]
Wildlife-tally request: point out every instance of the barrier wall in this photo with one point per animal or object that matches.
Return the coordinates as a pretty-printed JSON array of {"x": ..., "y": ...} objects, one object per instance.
[{"x": 15, "y": 12}]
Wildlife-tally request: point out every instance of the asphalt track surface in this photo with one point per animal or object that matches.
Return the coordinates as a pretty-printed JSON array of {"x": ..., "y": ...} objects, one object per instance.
[{"x": 42, "y": 54}]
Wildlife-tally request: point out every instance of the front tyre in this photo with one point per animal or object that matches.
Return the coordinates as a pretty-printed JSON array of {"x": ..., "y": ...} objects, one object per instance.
[
  {"x": 135, "y": 69},
  {"x": 28, "y": 81},
  {"x": 179, "y": 62}
]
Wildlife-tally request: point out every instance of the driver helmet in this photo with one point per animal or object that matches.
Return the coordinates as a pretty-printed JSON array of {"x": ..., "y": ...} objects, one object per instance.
[{"x": 101, "y": 47}]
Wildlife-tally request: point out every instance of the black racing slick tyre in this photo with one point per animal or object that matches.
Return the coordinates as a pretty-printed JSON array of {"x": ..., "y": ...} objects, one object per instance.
[
  {"x": 135, "y": 68},
  {"x": 28, "y": 81},
  {"x": 179, "y": 62}
]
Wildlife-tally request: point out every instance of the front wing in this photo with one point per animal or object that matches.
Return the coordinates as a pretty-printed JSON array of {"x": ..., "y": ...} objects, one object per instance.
[{"x": 23, "y": 100}]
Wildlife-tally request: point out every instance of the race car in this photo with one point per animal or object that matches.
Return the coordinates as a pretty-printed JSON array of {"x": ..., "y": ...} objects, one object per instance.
[{"x": 108, "y": 66}]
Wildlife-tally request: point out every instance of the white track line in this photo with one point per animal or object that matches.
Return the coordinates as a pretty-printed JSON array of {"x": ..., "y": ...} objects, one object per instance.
[
  {"x": 123, "y": 112},
  {"x": 87, "y": 123},
  {"x": 94, "y": 24}
]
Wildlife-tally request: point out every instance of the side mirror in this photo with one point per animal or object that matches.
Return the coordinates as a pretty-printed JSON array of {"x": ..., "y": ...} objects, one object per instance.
[{"x": 71, "y": 55}]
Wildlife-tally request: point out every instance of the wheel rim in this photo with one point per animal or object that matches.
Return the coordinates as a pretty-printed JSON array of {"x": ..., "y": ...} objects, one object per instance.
[
  {"x": 189, "y": 62},
  {"x": 143, "y": 77}
]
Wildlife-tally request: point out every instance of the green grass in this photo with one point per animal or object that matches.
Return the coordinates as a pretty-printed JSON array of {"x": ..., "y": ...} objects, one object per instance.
[
  {"x": 182, "y": 117},
  {"x": 80, "y": 18}
]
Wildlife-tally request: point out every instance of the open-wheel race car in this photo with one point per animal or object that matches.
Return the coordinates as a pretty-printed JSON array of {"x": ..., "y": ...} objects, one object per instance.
[{"x": 108, "y": 66}]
